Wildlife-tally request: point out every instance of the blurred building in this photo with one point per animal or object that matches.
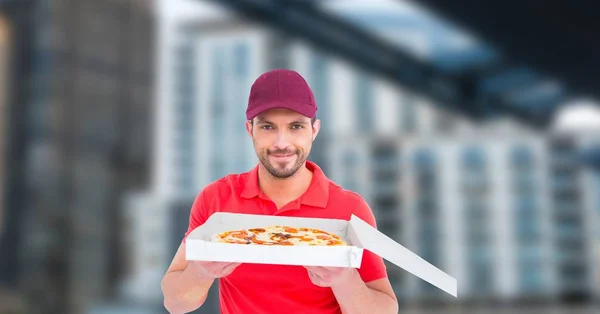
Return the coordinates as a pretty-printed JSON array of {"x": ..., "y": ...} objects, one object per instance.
[
  {"x": 503, "y": 209},
  {"x": 518, "y": 229},
  {"x": 4, "y": 88},
  {"x": 77, "y": 139}
]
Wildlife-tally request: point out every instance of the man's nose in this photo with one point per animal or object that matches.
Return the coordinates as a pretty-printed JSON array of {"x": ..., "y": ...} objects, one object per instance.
[{"x": 282, "y": 140}]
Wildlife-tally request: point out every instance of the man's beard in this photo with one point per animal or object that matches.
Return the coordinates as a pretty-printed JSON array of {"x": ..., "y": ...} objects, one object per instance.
[{"x": 281, "y": 172}]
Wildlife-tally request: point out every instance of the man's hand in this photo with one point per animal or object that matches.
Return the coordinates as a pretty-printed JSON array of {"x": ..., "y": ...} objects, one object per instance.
[
  {"x": 212, "y": 270},
  {"x": 328, "y": 277}
]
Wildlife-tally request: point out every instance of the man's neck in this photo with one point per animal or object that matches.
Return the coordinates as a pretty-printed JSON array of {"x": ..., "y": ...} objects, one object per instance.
[{"x": 283, "y": 191}]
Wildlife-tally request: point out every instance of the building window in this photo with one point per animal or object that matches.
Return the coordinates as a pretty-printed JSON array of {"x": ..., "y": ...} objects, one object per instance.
[
  {"x": 474, "y": 159},
  {"x": 522, "y": 157},
  {"x": 364, "y": 101}
]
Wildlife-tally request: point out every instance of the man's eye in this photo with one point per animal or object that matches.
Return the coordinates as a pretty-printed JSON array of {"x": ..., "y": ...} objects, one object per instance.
[
  {"x": 297, "y": 126},
  {"x": 266, "y": 127}
]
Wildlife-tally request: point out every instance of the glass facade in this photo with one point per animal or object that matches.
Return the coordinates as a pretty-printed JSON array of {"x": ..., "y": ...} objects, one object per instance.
[
  {"x": 568, "y": 233},
  {"x": 527, "y": 222},
  {"x": 319, "y": 83},
  {"x": 386, "y": 201},
  {"x": 364, "y": 102},
  {"x": 350, "y": 163},
  {"x": 427, "y": 212},
  {"x": 217, "y": 114},
  {"x": 184, "y": 113},
  {"x": 408, "y": 113},
  {"x": 241, "y": 73},
  {"x": 479, "y": 255}
]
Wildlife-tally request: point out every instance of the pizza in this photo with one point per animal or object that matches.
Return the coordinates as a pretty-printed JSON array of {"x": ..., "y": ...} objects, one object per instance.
[{"x": 280, "y": 235}]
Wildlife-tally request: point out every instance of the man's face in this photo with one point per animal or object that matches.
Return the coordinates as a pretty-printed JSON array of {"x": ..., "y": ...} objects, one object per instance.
[{"x": 282, "y": 139}]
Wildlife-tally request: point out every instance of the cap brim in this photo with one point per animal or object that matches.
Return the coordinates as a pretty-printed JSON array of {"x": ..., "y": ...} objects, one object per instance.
[{"x": 302, "y": 109}]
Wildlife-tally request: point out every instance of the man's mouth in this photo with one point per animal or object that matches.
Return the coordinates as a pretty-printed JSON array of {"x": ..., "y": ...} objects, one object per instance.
[{"x": 282, "y": 157}]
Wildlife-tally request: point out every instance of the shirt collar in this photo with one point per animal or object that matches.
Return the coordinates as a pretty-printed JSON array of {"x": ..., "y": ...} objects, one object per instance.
[{"x": 316, "y": 195}]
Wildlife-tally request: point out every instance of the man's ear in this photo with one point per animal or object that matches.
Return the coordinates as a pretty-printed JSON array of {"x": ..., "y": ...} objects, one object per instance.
[
  {"x": 316, "y": 127},
  {"x": 249, "y": 127}
]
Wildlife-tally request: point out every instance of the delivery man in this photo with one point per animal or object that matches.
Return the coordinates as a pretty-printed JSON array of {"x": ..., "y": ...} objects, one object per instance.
[{"x": 281, "y": 121}]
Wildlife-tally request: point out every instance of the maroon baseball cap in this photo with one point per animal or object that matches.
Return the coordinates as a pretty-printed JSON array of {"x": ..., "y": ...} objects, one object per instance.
[{"x": 281, "y": 88}]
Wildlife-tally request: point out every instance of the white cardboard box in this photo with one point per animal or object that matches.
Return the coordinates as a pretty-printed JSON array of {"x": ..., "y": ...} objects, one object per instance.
[{"x": 356, "y": 232}]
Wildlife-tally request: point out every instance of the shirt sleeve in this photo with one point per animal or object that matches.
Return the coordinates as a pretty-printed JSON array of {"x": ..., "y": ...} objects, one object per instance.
[
  {"x": 372, "y": 266},
  {"x": 198, "y": 214}
]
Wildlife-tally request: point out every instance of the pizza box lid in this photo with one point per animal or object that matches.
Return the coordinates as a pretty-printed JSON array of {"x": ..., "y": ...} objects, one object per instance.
[{"x": 357, "y": 232}]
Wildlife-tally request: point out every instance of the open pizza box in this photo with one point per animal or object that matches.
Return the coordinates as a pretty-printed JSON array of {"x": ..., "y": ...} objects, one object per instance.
[{"x": 359, "y": 234}]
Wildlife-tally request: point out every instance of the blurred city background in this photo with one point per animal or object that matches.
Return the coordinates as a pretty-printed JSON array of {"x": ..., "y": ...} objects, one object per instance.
[{"x": 471, "y": 127}]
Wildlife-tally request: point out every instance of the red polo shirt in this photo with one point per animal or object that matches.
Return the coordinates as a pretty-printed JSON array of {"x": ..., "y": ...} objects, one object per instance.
[{"x": 256, "y": 288}]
